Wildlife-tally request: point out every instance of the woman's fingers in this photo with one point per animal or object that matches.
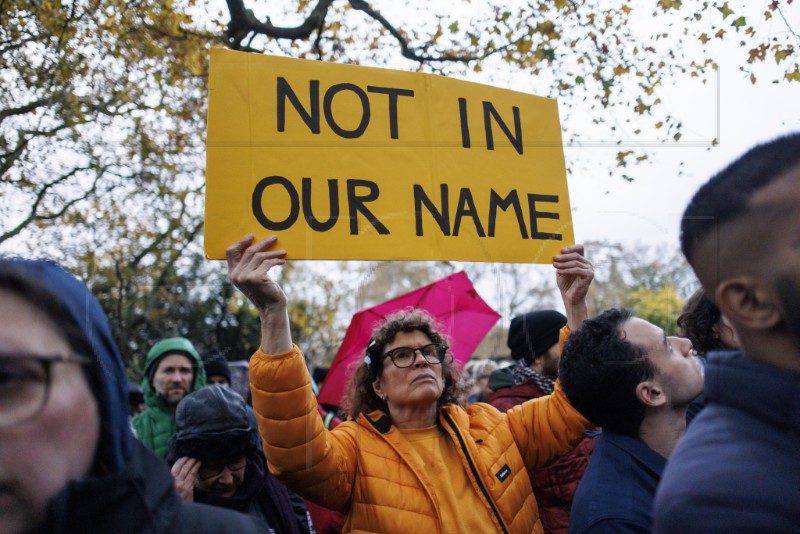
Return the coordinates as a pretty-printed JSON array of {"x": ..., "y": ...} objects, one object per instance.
[
  {"x": 185, "y": 467},
  {"x": 246, "y": 258},
  {"x": 233, "y": 254}
]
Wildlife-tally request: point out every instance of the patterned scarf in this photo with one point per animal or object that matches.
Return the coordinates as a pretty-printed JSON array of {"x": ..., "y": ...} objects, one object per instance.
[{"x": 523, "y": 373}]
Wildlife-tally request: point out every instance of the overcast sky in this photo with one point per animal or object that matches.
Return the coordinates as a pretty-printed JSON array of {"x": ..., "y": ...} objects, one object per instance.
[{"x": 649, "y": 208}]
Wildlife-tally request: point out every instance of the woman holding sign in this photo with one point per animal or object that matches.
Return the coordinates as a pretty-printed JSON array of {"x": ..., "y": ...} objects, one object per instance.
[{"x": 409, "y": 458}]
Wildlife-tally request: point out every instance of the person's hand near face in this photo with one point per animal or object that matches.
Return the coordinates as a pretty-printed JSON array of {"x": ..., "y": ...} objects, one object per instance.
[{"x": 184, "y": 471}]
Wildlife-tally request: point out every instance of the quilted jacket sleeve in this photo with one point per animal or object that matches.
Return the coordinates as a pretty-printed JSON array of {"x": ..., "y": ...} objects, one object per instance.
[
  {"x": 546, "y": 428},
  {"x": 314, "y": 462},
  {"x": 563, "y": 335}
]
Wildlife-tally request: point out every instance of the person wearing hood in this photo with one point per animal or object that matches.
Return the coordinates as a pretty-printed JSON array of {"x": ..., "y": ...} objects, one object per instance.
[
  {"x": 217, "y": 460},
  {"x": 533, "y": 338},
  {"x": 68, "y": 460},
  {"x": 173, "y": 370}
]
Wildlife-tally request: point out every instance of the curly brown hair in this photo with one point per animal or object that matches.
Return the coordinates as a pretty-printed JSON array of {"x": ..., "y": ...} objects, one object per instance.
[
  {"x": 361, "y": 397},
  {"x": 699, "y": 321}
]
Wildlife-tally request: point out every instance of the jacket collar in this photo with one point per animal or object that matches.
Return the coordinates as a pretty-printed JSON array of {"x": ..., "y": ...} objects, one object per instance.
[
  {"x": 382, "y": 423},
  {"x": 141, "y": 495},
  {"x": 764, "y": 391},
  {"x": 637, "y": 448},
  {"x": 378, "y": 420}
]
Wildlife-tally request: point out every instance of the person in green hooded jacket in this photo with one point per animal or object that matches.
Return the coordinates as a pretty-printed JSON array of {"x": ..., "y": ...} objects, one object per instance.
[{"x": 173, "y": 370}]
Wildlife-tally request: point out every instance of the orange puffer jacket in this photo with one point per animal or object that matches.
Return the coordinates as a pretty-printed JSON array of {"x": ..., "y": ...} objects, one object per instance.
[{"x": 368, "y": 470}]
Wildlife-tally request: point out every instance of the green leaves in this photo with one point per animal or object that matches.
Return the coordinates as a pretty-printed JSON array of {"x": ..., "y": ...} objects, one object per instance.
[{"x": 725, "y": 10}]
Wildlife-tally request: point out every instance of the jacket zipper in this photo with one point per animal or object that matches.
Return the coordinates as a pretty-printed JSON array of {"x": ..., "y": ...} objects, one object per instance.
[
  {"x": 474, "y": 470},
  {"x": 381, "y": 433}
]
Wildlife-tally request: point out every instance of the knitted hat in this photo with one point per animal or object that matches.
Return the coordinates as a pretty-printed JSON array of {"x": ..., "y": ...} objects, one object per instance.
[
  {"x": 216, "y": 365},
  {"x": 532, "y": 334}
]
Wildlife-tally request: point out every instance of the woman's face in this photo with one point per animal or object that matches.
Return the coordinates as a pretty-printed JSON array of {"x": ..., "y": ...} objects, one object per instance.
[
  {"x": 222, "y": 479},
  {"x": 39, "y": 455},
  {"x": 420, "y": 385}
]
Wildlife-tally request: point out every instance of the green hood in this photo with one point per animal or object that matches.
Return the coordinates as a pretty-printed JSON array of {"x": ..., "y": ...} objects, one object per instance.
[
  {"x": 156, "y": 424},
  {"x": 165, "y": 346}
]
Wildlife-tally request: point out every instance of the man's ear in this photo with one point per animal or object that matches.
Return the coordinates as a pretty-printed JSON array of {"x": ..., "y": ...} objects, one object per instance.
[
  {"x": 650, "y": 394},
  {"x": 748, "y": 302}
]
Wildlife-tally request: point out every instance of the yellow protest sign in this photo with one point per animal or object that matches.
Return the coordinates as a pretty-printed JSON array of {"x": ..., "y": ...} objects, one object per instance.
[{"x": 349, "y": 162}]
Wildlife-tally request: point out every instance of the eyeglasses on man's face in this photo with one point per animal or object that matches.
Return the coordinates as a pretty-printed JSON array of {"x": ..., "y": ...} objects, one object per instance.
[
  {"x": 211, "y": 470},
  {"x": 406, "y": 356},
  {"x": 25, "y": 381}
]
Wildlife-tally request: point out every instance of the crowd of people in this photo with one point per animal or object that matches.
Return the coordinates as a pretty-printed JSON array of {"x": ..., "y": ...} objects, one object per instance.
[{"x": 601, "y": 424}]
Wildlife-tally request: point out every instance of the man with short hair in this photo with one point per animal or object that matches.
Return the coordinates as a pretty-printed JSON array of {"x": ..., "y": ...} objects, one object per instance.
[
  {"x": 625, "y": 375},
  {"x": 737, "y": 469},
  {"x": 533, "y": 338},
  {"x": 172, "y": 371}
]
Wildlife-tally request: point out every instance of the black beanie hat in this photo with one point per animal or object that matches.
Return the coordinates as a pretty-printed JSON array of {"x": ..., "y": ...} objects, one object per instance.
[
  {"x": 532, "y": 334},
  {"x": 215, "y": 365}
]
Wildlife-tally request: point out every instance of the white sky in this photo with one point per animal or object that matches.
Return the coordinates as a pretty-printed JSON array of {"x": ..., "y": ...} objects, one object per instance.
[{"x": 649, "y": 208}]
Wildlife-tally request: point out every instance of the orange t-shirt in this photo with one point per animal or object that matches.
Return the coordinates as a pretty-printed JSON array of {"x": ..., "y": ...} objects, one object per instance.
[{"x": 461, "y": 507}]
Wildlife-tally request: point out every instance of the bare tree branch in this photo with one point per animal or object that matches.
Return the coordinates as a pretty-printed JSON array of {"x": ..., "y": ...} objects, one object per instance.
[
  {"x": 244, "y": 22},
  {"x": 405, "y": 48},
  {"x": 8, "y": 159},
  {"x": 27, "y": 108},
  {"x": 785, "y": 21},
  {"x": 40, "y": 195}
]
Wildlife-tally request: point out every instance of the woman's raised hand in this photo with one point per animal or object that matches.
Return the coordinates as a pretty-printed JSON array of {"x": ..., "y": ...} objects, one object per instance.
[
  {"x": 248, "y": 268},
  {"x": 574, "y": 275}
]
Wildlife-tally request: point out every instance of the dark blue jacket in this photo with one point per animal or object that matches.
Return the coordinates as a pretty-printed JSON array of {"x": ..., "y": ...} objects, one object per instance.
[
  {"x": 617, "y": 489},
  {"x": 131, "y": 490},
  {"x": 737, "y": 469}
]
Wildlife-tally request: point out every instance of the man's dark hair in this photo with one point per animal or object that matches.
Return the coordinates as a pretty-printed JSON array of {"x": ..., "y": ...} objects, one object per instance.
[
  {"x": 599, "y": 372},
  {"x": 725, "y": 196}
]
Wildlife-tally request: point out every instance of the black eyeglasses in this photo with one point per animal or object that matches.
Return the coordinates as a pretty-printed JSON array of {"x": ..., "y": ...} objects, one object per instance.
[
  {"x": 25, "y": 384},
  {"x": 406, "y": 356},
  {"x": 207, "y": 471}
]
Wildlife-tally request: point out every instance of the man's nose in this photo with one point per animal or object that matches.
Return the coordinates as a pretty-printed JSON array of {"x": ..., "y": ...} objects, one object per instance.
[{"x": 684, "y": 345}]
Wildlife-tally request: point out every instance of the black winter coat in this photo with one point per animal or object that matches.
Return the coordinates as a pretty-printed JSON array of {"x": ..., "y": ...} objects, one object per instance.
[{"x": 139, "y": 500}]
